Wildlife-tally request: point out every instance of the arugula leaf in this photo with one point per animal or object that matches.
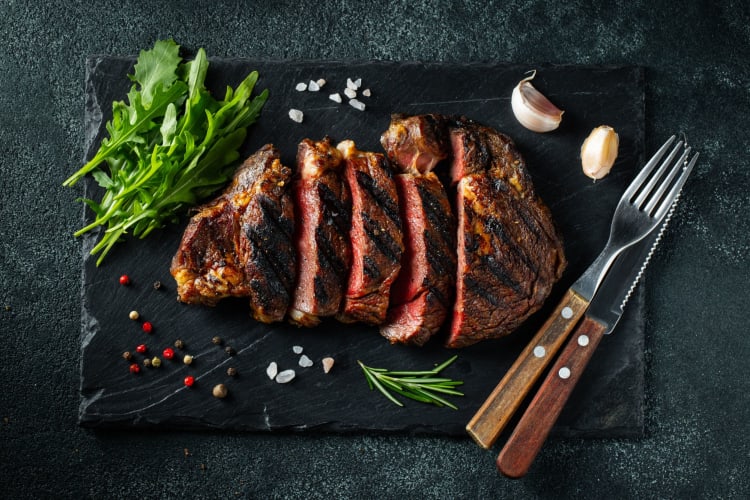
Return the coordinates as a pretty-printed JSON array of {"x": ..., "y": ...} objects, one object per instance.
[{"x": 171, "y": 145}]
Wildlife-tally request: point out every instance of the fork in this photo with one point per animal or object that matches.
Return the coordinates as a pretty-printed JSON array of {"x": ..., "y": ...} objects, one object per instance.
[{"x": 641, "y": 208}]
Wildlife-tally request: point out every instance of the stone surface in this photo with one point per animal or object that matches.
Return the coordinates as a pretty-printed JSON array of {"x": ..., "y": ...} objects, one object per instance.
[
  {"x": 609, "y": 402},
  {"x": 697, "y": 418}
]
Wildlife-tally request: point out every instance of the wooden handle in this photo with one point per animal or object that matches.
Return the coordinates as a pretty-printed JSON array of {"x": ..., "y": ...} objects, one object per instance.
[
  {"x": 502, "y": 403},
  {"x": 532, "y": 430}
]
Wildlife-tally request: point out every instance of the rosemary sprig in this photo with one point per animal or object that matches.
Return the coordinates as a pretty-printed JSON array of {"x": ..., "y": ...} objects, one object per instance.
[{"x": 423, "y": 386}]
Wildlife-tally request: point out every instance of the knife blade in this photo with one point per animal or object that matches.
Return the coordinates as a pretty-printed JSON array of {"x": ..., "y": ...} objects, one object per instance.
[{"x": 601, "y": 318}]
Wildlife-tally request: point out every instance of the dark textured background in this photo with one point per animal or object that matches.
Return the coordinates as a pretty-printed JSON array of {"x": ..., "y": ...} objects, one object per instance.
[{"x": 697, "y": 415}]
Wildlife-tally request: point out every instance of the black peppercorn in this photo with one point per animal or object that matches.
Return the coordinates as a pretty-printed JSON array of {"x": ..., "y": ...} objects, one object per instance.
[
  {"x": 179, "y": 344},
  {"x": 230, "y": 350},
  {"x": 216, "y": 340},
  {"x": 127, "y": 356},
  {"x": 147, "y": 363},
  {"x": 157, "y": 285},
  {"x": 232, "y": 371}
]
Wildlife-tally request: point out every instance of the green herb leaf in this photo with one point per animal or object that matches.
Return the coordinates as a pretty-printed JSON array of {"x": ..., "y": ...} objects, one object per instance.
[
  {"x": 169, "y": 146},
  {"x": 417, "y": 385}
]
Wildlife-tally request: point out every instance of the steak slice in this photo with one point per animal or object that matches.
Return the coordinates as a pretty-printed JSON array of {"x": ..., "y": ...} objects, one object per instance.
[
  {"x": 240, "y": 244},
  {"x": 265, "y": 239},
  {"x": 375, "y": 236},
  {"x": 422, "y": 294},
  {"x": 509, "y": 252},
  {"x": 509, "y": 257},
  {"x": 323, "y": 221},
  {"x": 416, "y": 143}
]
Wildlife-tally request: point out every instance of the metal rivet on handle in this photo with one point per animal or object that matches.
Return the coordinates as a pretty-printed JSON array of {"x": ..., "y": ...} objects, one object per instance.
[
  {"x": 539, "y": 351},
  {"x": 583, "y": 341},
  {"x": 566, "y": 313},
  {"x": 564, "y": 372}
]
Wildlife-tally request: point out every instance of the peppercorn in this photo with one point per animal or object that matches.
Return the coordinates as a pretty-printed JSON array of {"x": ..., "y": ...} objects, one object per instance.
[
  {"x": 168, "y": 353},
  {"x": 232, "y": 371},
  {"x": 124, "y": 280},
  {"x": 134, "y": 368},
  {"x": 134, "y": 315},
  {"x": 216, "y": 340},
  {"x": 157, "y": 285},
  {"x": 141, "y": 348},
  {"x": 127, "y": 356},
  {"x": 179, "y": 344},
  {"x": 147, "y": 363},
  {"x": 147, "y": 327},
  {"x": 230, "y": 350},
  {"x": 220, "y": 391},
  {"x": 188, "y": 359},
  {"x": 156, "y": 362},
  {"x": 189, "y": 381}
]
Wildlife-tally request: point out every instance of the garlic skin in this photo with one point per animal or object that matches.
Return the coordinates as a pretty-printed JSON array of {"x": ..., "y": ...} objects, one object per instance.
[
  {"x": 599, "y": 151},
  {"x": 532, "y": 109}
]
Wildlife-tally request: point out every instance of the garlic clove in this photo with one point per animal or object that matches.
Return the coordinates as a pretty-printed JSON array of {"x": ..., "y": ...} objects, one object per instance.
[
  {"x": 532, "y": 109},
  {"x": 599, "y": 151}
]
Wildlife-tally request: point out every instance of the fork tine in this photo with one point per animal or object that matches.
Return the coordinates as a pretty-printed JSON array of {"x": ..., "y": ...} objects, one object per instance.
[
  {"x": 663, "y": 208},
  {"x": 654, "y": 179},
  {"x": 646, "y": 170},
  {"x": 664, "y": 185}
]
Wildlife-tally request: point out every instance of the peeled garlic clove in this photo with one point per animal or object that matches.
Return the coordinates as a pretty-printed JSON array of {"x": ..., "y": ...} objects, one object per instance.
[
  {"x": 532, "y": 109},
  {"x": 599, "y": 151}
]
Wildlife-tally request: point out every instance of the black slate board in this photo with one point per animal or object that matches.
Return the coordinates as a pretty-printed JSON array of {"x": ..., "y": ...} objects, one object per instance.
[{"x": 607, "y": 403}]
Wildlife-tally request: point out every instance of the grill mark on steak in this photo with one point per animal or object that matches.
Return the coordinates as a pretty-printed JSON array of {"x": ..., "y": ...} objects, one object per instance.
[
  {"x": 239, "y": 244},
  {"x": 375, "y": 235},
  {"x": 422, "y": 293},
  {"x": 385, "y": 201},
  {"x": 322, "y": 236}
]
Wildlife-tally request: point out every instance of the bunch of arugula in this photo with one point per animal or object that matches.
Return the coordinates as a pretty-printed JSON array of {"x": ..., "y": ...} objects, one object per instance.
[{"x": 170, "y": 146}]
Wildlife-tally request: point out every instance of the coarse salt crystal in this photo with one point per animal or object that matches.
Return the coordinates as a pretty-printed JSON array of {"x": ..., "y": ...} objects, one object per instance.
[
  {"x": 305, "y": 362},
  {"x": 296, "y": 115},
  {"x": 366, "y": 93},
  {"x": 297, "y": 349},
  {"x": 350, "y": 84},
  {"x": 313, "y": 86},
  {"x": 301, "y": 87},
  {"x": 327, "y": 364},
  {"x": 335, "y": 97},
  {"x": 357, "y": 104},
  {"x": 350, "y": 93},
  {"x": 321, "y": 82},
  {"x": 272, "y": 370},
  {"x": 285, "y": 376}
]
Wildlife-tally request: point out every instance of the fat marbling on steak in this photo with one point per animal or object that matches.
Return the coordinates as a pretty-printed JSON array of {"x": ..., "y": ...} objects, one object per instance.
[
  {"x": 375, "y": 236},
  {"x": 240, "y": 244}
]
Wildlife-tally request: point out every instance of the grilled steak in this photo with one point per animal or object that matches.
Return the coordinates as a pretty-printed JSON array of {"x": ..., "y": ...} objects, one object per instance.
[
  {"x": 240, "y": 244},
  {"x": 416, "y": 143},
  {"x": 422, "y": 294},
  {"x": 509, "y": 252},
  {"x": 323, "y": 222},
  {"x": 375, "y": 235}
]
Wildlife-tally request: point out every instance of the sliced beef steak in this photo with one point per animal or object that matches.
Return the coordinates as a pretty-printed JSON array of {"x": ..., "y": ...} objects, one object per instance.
[
  {"x": 240, "y": 244},
  {"x": 375, "y": 235},
  {"x": 509, "y": 256},
  {"x": 423, "y": 292},
  {"x": 416, "y": 143},
  {"x": 323, "y": 222},
  {"x": 509, "y": 251},
  {"x": 265, "y": 241}
]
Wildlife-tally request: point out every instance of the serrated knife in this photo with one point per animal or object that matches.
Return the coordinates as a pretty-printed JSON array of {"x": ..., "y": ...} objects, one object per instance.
[{"x": 601, "y": 318}]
